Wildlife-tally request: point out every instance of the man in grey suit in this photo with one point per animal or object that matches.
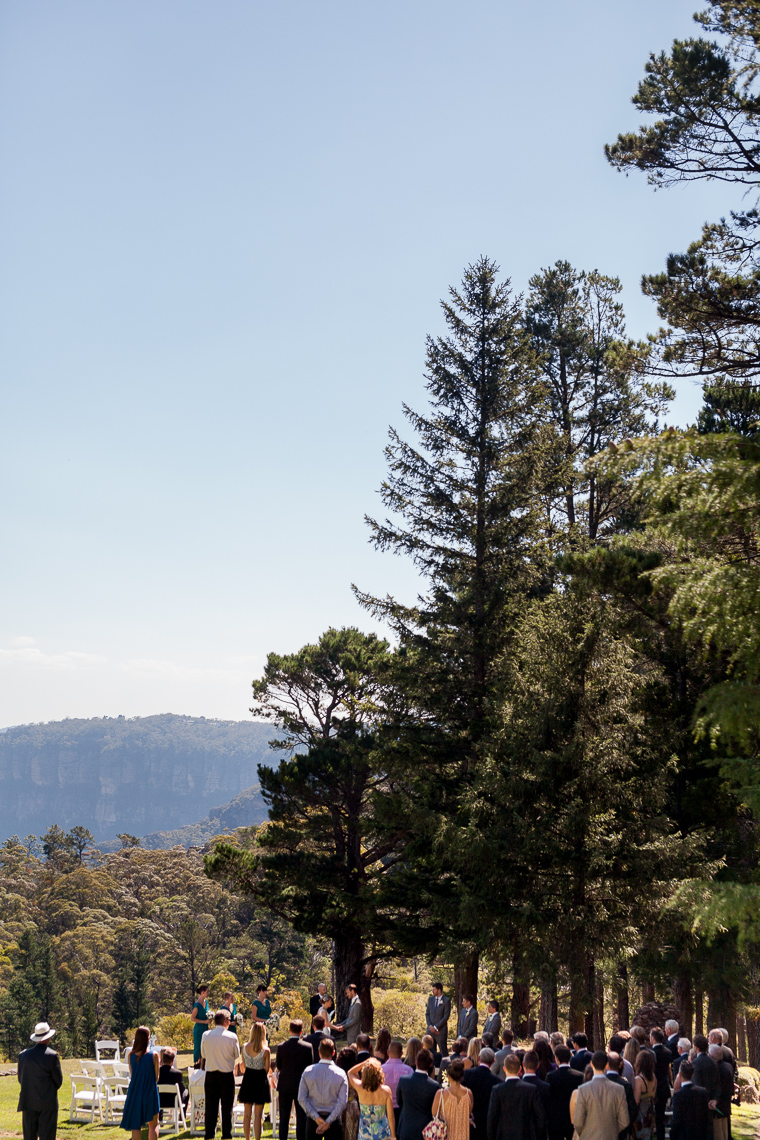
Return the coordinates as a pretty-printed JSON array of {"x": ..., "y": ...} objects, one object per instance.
[
  {"x": 601, "y": 1111},
  {"x": 493, "y": 1020},
  {"x": 467, "y": 1025},
  {"x": 352, "y": 1022},
  {"x": 39, "y": 1073},
  {"x": 437, "y": 1016}
]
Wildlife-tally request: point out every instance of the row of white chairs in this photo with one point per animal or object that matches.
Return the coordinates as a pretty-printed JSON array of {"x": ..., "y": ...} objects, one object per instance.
[{"x": 101, "y": 1088}]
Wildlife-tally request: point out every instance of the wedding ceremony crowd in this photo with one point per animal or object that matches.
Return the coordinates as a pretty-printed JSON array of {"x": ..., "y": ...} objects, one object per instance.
[{"x": 341, "y": 1084}]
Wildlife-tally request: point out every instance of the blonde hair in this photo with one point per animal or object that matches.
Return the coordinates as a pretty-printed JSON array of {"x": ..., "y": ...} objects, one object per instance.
[
  {"x": 428, "y": 1043},
  {"x": 258, "y": 1036},
  {"x": 372, "y": 1075},
  {"x": 631, "y": 1050},
  {"x": 473, "y": 1050},
  {"x": 413, "y": 1047}
]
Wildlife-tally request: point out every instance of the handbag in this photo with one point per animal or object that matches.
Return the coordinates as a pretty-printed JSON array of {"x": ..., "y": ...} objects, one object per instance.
[{"x": 437, "y": 1129}]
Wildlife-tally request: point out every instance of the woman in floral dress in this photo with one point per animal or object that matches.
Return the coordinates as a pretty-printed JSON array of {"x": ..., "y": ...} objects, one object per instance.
[{"x": 376, "y": 1119}]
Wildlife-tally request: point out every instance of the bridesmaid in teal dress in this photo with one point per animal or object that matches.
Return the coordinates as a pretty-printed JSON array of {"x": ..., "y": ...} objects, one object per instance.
[{"x": 201, "y": 1019}]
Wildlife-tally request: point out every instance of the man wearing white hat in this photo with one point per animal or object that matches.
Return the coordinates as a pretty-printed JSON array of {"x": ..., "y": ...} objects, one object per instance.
[{"x": 40, "y": 1076}]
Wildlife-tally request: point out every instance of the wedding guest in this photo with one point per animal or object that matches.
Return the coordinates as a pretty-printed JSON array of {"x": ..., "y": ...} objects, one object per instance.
[
  {"x": 141, "y": 1106},
  {"x": 363, "y": 1048},
  {"x": 458, "y": 1049},
  {"x": 581, "y": 1054},
  {"x": 722, "y": 1121},
  {"x": 481, "y": 1082},
  {"x": 556, "y": 1039},
  {"x": 507, "y": 1037},
  {"x": 323, "y": 1094},
  {"x": 682, "y": 1054},
  {"x": 473, "y": 1053},
  {"x": 376, "y": 1117},
  {"x": 254, "y": 1091},
  {"x": 645, "y": 1094},
  {"x": 220, "y": 1053},
  {"x": 545, "y": 1054},
  {"x": 457, "y": 1105},
  {"x": 415, "y": 1097},
  {"x": 615, "y": 1074},
  {"x": 562, "y": 1084},
  {"x": 293, "y": 1058},
  {"x": 394, "y": 1069},
  {"x": 40, "y": 1077},
  {"x": 413, "y": 1047},
  {"x": 530, "y": 1063},
  {"x": 617, "y": 1045},
  {"x": 168, "y": 1074},
  {"x": 515, "y": 1111},
  {"x": 346, "y": 1060},
  {"x": 382, "y": 1042},
  {"x": 600, "y": 1107},
  {"x": 691, "y": 1108},
  {"x": 317, "y": 1034}
]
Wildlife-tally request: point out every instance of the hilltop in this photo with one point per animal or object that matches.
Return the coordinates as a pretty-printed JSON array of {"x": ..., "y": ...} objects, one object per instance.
[{"x": 146, "y": 775}]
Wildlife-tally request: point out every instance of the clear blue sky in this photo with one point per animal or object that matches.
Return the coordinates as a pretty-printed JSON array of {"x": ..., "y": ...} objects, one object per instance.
[{"x": 226, "y": 226}]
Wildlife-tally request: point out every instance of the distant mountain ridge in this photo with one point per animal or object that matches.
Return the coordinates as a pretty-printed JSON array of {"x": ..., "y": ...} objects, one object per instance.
[{"x": 148, "y": 775}]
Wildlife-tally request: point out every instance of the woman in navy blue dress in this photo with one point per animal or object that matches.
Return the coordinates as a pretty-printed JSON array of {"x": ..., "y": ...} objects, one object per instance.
[{"x": 141, "y": 1106}]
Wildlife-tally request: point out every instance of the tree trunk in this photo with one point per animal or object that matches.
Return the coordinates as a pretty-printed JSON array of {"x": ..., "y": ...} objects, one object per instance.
[
  {"x": 721, "y": 1012},
  {"x": 741, "y": 1040},
  {"x": 465, "y": 978},
  {"x": 589, "y": 985},
  {"x": 683, "y": 1002},
  {"x": 647, "y": 992},
  {"x": 365, "y": 995},
  {"x": 600, "y": 1034},
  {"x": 623, "y": 1001},
  {"x": 547, "y": 1010},
  {"x": 348, "y": 951},
  {"x": 753, "y": 1038},
  {"x": 579, "y": 994},
  {"x": 699, "y": 1012}
]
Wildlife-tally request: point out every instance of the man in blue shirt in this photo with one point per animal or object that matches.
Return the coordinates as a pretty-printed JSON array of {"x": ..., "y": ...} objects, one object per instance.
[{"x": 323, "y": 1094}]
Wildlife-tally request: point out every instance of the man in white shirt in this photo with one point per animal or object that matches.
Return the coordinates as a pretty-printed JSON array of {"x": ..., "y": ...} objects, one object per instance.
[
  {"x": 323, "y": 1094},
  {"x": 220, "y": 1052}
]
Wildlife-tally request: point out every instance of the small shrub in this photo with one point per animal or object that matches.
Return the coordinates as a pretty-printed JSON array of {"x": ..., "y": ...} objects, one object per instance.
[
  {"x": 175, "y": 1029},
  {"x": 401, "y": 1010}
]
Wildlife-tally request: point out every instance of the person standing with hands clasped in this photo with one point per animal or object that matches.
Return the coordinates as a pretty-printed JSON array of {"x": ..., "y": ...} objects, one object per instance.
[
  {"x": 220, "y": 1053},
  {"x": 40, "y": 1077},
  {"x": 323, "y": 1095}
]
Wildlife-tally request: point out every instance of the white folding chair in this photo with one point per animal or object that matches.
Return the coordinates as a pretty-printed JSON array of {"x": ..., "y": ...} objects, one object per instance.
[
  {"x": 197, "y": 1108},
  {"x": 109, "y": 1046},
  {"x": 177, "y": 1110},
  {"x": 87, "y": 1099},
  {"x": 115, "y": 1089}
]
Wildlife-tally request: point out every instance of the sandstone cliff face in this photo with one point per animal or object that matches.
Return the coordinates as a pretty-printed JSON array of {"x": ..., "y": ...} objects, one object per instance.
[{"x": 110, "y": 775}]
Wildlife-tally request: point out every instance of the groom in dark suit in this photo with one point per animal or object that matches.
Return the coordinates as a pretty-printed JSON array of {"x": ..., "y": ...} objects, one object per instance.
[
  {"x": 467, "y": 1025},
  {"x": 437, "y": 1017},
  {"x": 39, "y": 1073}
]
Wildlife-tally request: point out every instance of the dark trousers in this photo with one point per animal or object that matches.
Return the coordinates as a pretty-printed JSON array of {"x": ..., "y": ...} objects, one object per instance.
[
  {"x": 219, "y": 1088},
  {"x": 660, "y": 1104},
  {"x": 286, "y": 1102},
  {"x": 334, "y": 1132},
  {"x": 39, "y": 1124}
]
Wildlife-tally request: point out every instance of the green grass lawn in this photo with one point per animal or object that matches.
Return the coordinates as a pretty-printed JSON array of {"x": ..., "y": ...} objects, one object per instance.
[{"x": 745, "y": 1120}]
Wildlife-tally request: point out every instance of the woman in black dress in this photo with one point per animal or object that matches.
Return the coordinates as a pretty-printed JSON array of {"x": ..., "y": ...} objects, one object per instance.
[{"x": 254, "y": 1091}]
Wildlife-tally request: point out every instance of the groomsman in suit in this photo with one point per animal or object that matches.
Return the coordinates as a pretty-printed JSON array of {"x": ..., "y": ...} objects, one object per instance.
[
  {"x": 691, "y": 1108},
  {"x": 353, "y": 1021},
  {"x": 467, "y": 1025},
  {"x": 437, "y": 1016},
  {"x": 493, "y": 1020}
]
